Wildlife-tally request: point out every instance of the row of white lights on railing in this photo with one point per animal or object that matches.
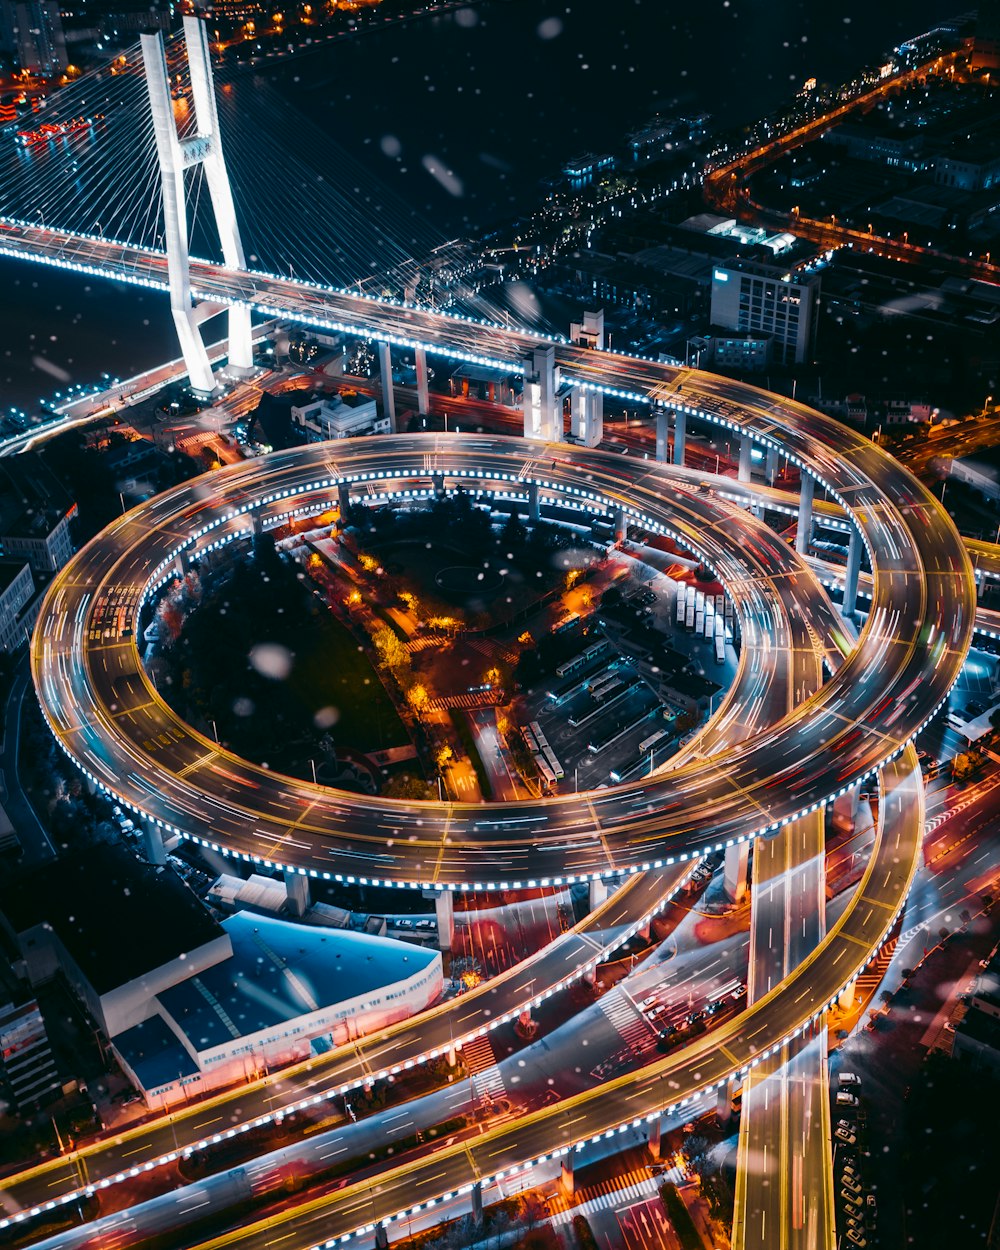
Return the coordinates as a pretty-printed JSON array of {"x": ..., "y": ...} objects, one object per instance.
[
  {"x": 636, "y": 1123},
  {"x": 351, "y": 879},
  {"x": 325, "y": 484},
  {"x": 367, "y": 1080}
]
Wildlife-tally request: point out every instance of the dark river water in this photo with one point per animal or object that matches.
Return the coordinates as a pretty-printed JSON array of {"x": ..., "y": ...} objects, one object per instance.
[{"x": 498, "y": 96}]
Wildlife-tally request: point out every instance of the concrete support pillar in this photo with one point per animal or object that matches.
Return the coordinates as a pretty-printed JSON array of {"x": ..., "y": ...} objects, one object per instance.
[
  {"x": 423, "y": 391},
  {"x": 586, "y": 416},
  {"x": 297, "y": 893},
  {"x": 445, "y": 908},
  {"x": 662, "y": 438},
  {"x": 803, "y": 531},
  {"x": 568, "y": 1186},
  {"x": 736, "y": 877},
  {"x": 542, "y": 415},
  {"x": 388, "y": 394},
  {"x": 771, "y": 466},
  {"x": 746, "y": 447},
  {"x": 620, "y": 525},
  {"x": 257, "y": 520},
  {"x": 534, "y": 507},
  {"x": 680, "y": 435},
  {"x": 980, "y": 585},
  {"x": 152, "y": 841},
  {"x": 594, "y": 435},
  {"x": 452, "y": 1055},
  {"x": 846, "y": 999},
  {"x": 598, "y": 892},
  {"x": 437, "y": 482},
  {"x": 851, "y": 574},
  {"x": 590, "y": 974},
  {"x": 343, "y": 499},
  {"x": 381, "y": 1237},
  {"x": 655, "y": 1130},
  {"x": 586, "y": 419},
  {"x": 724, "y": 1102},
  {"x": 477, "y": 1203}
]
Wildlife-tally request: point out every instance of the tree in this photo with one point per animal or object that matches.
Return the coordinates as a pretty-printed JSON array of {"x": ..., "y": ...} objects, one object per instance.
[
  {"x": 406, "y": 786},
  {"x": 418, "y": 698}
]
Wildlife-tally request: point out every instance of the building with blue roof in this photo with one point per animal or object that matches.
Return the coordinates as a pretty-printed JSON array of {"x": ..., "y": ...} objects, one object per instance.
[{"x": 285, "y": 992}]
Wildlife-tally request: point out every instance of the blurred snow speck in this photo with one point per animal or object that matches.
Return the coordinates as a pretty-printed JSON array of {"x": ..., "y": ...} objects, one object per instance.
[
  {"x": 326, "y": 717},
  {"x": 550, "y": 28},
  {"x": 390, "y": 145},
  {"x": 467, "y": 17},
  {"x": 243, "y": 707},
  {"x": 444, "y": 176},
  {"x": 272, "y": 660},
  {"x": 524, "y": 300},
  {"x": 495, "y": 162},
  {"x": 46, "y": 366}
]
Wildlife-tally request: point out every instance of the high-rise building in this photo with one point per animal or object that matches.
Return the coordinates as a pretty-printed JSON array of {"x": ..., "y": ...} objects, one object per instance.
[
  {"x": 766, "y": 299},
  {"x": 28, "y": 1066},
  {"x": 986, "y": 43},
  {"x": 31, "y": 33}
]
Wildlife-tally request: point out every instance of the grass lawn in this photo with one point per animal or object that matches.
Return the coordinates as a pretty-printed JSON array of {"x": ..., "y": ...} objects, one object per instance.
[{"x": 331, "y": 672}]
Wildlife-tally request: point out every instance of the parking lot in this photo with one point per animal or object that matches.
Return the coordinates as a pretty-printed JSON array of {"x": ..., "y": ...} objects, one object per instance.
[{"x": 607, "y": 713}]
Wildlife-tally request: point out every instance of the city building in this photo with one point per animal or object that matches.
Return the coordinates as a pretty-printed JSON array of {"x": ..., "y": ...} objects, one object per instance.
[
  {"x": 986, "y": 41},
  {"x": 977, "y": 170},
  {"x": 977, "y": 1035},
  {"x": 29, "y": 1069},
  {"x": 193, "y": 1001},
  {"x": 745, "y": 353},
  {"x": 35, "y": 512},
  {"x": 286, "y": 992},
  {"x": 18, "y": 605},
  {"x": 339, "y": 416},
  {"x": 767, "y": 300},
  {"x": 871, "y": 140},
  {"x": 584, "y": 169},
  {"x": 31, "y": 33}
]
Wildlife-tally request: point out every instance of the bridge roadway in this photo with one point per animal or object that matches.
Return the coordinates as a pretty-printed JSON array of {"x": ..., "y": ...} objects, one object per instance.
[
  {"x": 106, "y": 714},
  {"x": 376, "y": 1194},
  {"x": 766, "y": 685}
]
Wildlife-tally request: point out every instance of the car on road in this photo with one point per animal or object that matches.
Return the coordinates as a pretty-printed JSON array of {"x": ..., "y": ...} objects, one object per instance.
[
  {"x": 853, "y": 1186},
  {"x": 849, "y": 1078},
  {"x": 857, "y": 1237},
  {"x": 851, "y": 1199},
  {"x": 844, "y": 1099},
  {"x": 870, "y": 1200},
  {"x": 842, "y": 1134}
]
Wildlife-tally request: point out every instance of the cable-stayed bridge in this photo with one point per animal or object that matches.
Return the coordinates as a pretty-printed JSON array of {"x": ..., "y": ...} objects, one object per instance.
[{"x": 148, "y": 152}]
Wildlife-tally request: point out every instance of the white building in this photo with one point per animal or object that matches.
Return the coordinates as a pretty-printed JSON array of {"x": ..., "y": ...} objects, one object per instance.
[
  {"x": 340, "y": 416},
  {"x": 286, "y": 991},
  {"x": 17, "y": 612},
  {"x": 763, "y": 300}
]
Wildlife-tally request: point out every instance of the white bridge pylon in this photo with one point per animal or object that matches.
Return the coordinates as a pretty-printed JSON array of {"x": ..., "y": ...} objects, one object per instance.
[{"x": 176, "y": 156}]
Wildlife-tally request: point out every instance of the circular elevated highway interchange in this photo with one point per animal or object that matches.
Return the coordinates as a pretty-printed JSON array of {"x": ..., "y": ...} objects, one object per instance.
[
  {"x": 109, "y": 718},
  {"x": 881, "y": 691}
]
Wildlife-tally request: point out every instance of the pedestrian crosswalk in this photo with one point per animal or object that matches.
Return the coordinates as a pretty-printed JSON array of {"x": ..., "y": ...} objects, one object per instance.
[
  {"x": 469, "y": 700},
  {"x": 611, "y": 1194},
  {"x": 632, "y": 1026},
  {"x": 494, "y": 650},
  {"x": 426, "y": 642},
  {"x": 483, "y": 1068}
]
